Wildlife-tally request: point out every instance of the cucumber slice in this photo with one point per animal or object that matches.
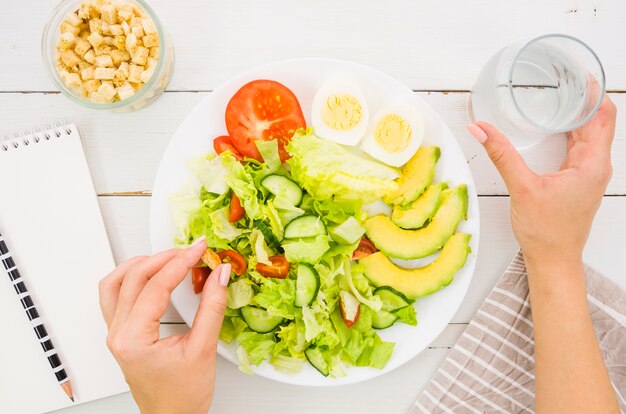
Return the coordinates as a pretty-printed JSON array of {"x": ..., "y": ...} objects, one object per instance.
[
  {"x": 316, "y": 358},
  {"x": 391, "y": 298},
  {"x": 270, "y": 238},
  {"x": 383, "y": 319},
  {"x": 259, "y": 320},
  {"x": 304, "y": 227},
  {"x": 279, "y": 185},
  {"x": 307, "y": 284}
]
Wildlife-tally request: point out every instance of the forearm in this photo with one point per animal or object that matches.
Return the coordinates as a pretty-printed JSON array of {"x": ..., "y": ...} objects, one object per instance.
[{"x": 570, "y": 372}]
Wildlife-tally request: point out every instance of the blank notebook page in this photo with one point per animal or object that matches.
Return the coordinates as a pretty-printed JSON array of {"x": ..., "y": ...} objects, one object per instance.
[{"x": 51, "y": 222}]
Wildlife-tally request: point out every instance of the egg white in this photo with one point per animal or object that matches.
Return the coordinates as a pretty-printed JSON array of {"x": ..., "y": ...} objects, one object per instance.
[
  {"x": 351, "y": 136},
  {"x": 395, "y": 159}
]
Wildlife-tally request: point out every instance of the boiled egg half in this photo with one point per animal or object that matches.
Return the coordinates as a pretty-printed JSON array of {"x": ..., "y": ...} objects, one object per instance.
[
  {"x": 340, "y": 113},
  {"x": 394, "y": 135}
]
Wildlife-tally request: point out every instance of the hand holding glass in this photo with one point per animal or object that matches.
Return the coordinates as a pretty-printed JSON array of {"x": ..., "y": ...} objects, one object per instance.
[{"x": 531, "y": 89}]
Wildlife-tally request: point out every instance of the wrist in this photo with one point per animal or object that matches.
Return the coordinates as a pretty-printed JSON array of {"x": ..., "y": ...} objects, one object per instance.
[
  {"x": 555, "y": 260},
  {"x": 554, "y": 270}
]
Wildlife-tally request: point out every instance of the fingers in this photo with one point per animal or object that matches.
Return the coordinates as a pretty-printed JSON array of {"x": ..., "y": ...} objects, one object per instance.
[
  {"x": 210, "y": 314},
  {"x": 136, "y": 278},
  {"x": 517, "y": 176},
  {"x": 589, "y": 147},
  {"x": 154, "y": 298},
  {"x": 109, "y": 288},
  {"x": 600, "y": 130}
]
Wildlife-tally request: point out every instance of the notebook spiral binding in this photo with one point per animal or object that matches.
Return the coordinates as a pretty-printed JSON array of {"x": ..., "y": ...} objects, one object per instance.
[{"x": 46, "y": 132}]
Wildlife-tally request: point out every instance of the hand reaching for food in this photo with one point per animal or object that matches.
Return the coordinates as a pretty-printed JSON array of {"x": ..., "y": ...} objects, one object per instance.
[{"x": 173, "y": 374}]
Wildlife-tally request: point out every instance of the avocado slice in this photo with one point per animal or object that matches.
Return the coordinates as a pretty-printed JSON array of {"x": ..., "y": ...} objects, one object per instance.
[
  {"x": 416, "y": 214},
  {"x": 413, "y": 244},
  {"x": 417, "y": 174},
  {"x": 415, "y": 283}
]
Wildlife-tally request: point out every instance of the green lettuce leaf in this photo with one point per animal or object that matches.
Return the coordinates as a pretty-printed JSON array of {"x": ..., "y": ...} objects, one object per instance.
[
  {"x": 208, "y": 169},
  {"x": 242, "y": 184},
  {"x": 342, "y": 331},
  {"x": 308, "y": 250},
  {"x": 364, "y": 323},
  {"x": 277, "y": 296},
  {"x": 240, "y": 294},
  {"x": 222, "y": 227},
  {"x": 286, "y": 210},
  {"x": 257, "y": 346},
  {"x": 336, "y": 363},
  {"x": 258, "y": 171},
  {"x": 336, "y": 212},
  {"x": 270, "y": 154},
  {"x": 328, "y": 339},
  {"x": 287, "y": 364},
  {"x": 360, "y": 286},
  {"x": 185, "y": 205},
  {"x": 380, "y": 353},
  {"x": 328, "y": 170},
  {"x": 312, "y": 327},
  {"x": 231, "y": 327},
  {"x": 407, "y": 315},
  {"x": 259, "y": 247},
  {"x": 274, "y": 218},
  {"x": 348, "y": 232},
  {"x": 291, "y": 339},
  {"x": 245, "y": 365},
  {"x": 355, "y": 345}
]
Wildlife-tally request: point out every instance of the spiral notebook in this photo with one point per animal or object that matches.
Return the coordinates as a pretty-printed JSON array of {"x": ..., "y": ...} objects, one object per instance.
[{"x": 51, "y": 221}]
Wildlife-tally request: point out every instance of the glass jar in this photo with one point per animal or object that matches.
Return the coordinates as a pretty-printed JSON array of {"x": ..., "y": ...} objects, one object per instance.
[{"x": 143, "y": 97}]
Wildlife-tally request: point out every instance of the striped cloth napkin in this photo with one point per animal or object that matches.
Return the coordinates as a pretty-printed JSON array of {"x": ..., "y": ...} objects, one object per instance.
[{"x": 491, "y": 369}]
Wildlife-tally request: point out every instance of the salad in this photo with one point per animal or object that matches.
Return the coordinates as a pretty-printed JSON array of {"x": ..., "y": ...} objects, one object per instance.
[{"x": 312, "y": 278}]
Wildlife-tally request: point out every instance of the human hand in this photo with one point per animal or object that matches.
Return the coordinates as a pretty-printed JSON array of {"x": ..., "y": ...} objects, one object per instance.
[
  {"x": 551, "y": 214},
  {"x": 174, "y": 374}
]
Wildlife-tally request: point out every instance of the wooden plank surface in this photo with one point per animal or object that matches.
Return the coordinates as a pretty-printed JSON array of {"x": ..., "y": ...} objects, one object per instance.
[
  {"x": 124, "y": 150},
  {"x": 428, "y": 45}
]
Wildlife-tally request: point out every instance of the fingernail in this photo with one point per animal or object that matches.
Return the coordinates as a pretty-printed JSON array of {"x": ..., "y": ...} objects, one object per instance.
[
  {"x": 224, "y": 275},
  {"x": 477, "y": 132},
  {"x": 197, "y": 241}
]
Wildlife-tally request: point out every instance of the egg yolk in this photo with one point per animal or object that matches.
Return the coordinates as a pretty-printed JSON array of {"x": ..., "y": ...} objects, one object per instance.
[
  {"x": 342, "y": 112},
  {"x": 393, "y": 133}
]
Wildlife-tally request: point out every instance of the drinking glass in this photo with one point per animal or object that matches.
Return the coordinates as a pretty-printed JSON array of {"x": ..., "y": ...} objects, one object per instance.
[{"x": 535, "y": 88}]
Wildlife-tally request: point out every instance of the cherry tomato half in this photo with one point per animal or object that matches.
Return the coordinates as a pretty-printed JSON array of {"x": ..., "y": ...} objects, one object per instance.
[
  {"x": 278, "y": 269},
  {"x": 365, "y": 248},
  {"x": 225, "y": 143},
  {"x": 236, "y": 260},
  {"x": 199, "y": 276},
  {"x": 237, "y": 212}
]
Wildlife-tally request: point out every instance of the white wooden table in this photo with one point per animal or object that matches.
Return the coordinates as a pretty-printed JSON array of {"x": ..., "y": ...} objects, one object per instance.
[{"x": 435, "y": 47}]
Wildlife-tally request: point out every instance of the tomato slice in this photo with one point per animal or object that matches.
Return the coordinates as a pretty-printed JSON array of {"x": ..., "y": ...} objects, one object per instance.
[
  {"x": 237, "y": 212},
  {"x": 365, "y": 248},
  {"x": 225, "y": 143},
  {"x": 199, "y": 276},
  {"x": 278, "y": 269},
  {"x": 263, "y": 109},
  {"x": 237, "y": 261}
]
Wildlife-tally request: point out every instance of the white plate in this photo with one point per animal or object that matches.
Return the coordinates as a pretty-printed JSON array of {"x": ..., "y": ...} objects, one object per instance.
[{"x": 303, "y": 77}]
